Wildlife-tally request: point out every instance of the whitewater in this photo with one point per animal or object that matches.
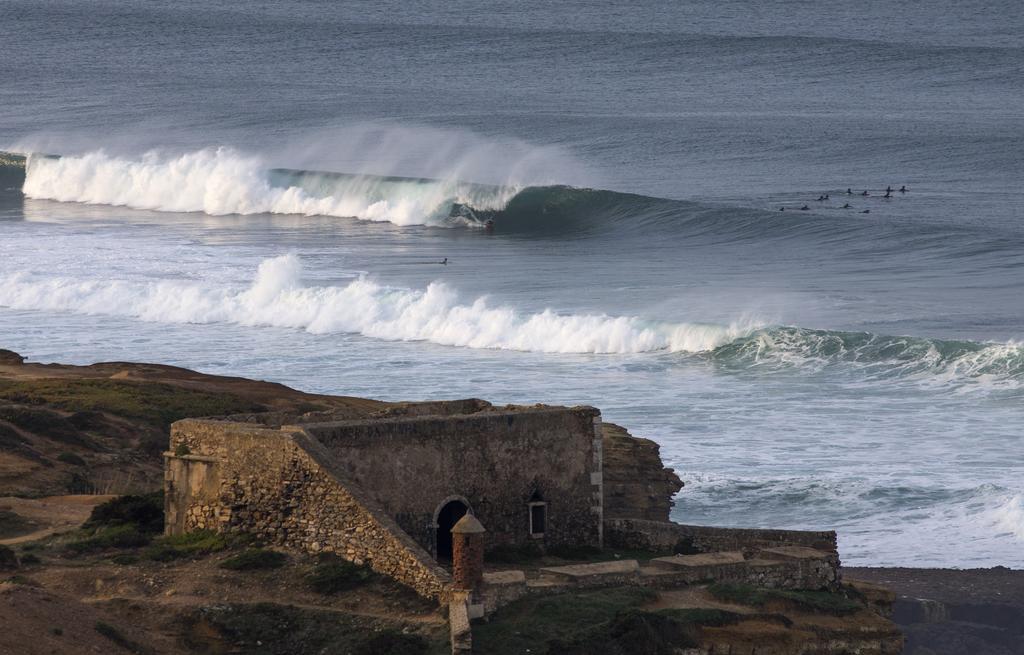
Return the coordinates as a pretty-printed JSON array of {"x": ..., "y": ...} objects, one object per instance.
[{"x": 221, "y": 181}]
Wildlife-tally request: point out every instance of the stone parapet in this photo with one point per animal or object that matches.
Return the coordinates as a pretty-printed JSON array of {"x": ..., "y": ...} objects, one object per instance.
[{"x": 640, "y": 534}]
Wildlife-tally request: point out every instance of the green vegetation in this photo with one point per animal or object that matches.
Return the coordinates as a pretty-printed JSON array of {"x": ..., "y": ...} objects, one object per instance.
[
  {"x": 269, "y": 629},
  {"x": 121, "y": 536},
  {"x": 28, "y": 559},
  {"x": 8, "y": 560},
  {"x": 12, "y": 442},
  {"x": 393, "y": 642},
  {"x": 823, "y": 602},
  {"x": 702, "y": 616},
  {"x": 22, "y": 580},
  {"x": 71, "y": 458},
  {"x": 114, "y": 635},
  {"x": 334, "y": 574},
  {"x": 145, "y": 513},
  {"x": 124, "y": 559},
  {"x": 629, "y": 632},
  {"x": 44, "y": 422},
  {"x": 547, "y": 624},
  {"x": 14, "y": 525},
  {"x": 191, "y": 544},
  {"x": 600, "y": 622},
  {"x": 156, "y": 404},
  {"x": 181, "y": 450},
  {"x": 255, "y": 559}
]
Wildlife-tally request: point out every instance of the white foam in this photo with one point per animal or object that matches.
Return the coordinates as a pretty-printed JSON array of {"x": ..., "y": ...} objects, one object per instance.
[
  {"x": 1008, "y": 516},
  {"x": 277, "y": 298},
  {"x": 220, "y": 181}
]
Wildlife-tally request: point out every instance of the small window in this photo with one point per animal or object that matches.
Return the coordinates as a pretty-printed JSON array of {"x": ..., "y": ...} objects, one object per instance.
[{"x": 538, "y": 519}]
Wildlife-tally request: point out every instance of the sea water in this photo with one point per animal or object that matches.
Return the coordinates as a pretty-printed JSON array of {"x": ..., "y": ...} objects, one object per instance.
[{"x": 267, "y": 190}]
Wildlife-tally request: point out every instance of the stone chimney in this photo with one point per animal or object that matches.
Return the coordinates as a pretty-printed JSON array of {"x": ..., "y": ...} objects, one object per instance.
[{"x": 468, "y": 553}]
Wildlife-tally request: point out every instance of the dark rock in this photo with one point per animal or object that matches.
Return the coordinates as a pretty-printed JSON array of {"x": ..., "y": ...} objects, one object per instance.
[{"x": 10, "y": 358}]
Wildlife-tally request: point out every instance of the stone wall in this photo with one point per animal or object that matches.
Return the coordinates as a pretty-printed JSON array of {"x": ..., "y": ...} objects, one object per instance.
[
  {"x": 496, "y": 460},
  {"x": 686, "y": 539},
  {"x": 282, "y": 486}
]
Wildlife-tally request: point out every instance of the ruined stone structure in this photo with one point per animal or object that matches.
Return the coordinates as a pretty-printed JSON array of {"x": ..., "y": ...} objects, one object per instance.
[
  {"x": 387, "y": 492},
  {"x": 429, "y": 488}
]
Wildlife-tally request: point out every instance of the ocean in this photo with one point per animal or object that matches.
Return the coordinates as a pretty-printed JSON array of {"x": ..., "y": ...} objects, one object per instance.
[{"x": 268, "y": 189}]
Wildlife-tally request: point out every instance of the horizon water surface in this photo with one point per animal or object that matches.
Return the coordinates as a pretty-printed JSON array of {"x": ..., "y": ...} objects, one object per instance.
[{"x": 268, "y": 193}]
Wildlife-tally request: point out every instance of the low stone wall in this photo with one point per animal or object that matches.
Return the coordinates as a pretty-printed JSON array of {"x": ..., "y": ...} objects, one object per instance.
[
  {"x": 285, "y": 488},
  {"x": 639, "y": 534}
]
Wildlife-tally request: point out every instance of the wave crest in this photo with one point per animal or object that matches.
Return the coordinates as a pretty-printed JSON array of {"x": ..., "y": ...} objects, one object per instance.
[
  {"x": 221, "y": 181},
  {"x": 277, "y": 298}
]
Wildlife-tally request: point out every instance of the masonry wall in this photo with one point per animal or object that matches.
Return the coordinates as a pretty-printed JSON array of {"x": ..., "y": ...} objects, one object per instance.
[
  {"x": 686, "y": 539},
  {"x": 495, "y": 460},
  {"x": 282, "y": 486}
]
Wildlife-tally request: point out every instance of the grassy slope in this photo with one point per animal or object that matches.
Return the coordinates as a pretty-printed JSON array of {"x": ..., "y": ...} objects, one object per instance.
[{"x": 102, "y": 428}]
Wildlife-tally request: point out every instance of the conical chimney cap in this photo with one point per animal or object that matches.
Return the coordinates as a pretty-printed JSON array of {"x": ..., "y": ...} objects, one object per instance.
[{"x": 468, "y": 525}]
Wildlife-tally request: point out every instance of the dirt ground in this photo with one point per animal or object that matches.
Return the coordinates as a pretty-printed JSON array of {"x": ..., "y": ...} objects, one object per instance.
[{"x": 50, "y": 515}]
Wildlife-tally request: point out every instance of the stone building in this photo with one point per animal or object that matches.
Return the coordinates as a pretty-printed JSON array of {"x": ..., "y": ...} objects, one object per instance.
[{"x": 388, "y": 491}]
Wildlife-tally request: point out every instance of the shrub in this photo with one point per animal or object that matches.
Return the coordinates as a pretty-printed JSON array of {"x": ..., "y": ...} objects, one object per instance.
[
  {"x": 632, "y": 631},
  {"x": 43, "y": 422},
  {"x": 22, "y": 580},
  {"x": 124, "y": 559},
  {"x": 121, "y": 536},
  {"x": 181, "y": 450},
  {"x": 254, "y": 559},
  {"x": 269, "y": 629},
  {"x": 114, "y": 635},
  {"x": 702, "y": 616},
  {"x": 190, "y": 544},
  {"x": 533, "y": 624},
  {"x": 71, "y": 458},
  {"x": 145, "y": 513},
  {"x": 13, "y": 524},
  {"x": 336, "y": 574},
  {"x": 30, "y": 558},
  {"x": 8, "y": 560},
  {"x": 88, "y": 420}
]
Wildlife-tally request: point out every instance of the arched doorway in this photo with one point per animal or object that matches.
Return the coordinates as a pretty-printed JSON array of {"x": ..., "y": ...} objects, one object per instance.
[{"x": 447, "y": 517}]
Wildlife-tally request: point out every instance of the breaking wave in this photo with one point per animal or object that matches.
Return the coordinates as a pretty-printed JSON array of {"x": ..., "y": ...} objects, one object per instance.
[
  {"x": 276, "y": 297},
  {"x": 221, "y": 181},
  {"x": 875, "y": 356}
]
